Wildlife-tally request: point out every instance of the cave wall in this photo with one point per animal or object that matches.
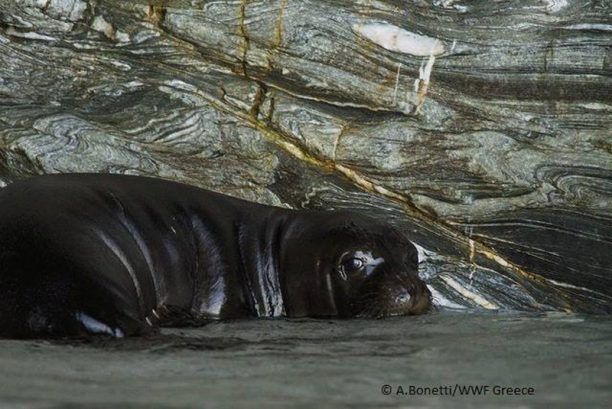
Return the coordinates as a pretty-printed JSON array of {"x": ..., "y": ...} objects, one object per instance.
[{"x": 482, "y": 129}]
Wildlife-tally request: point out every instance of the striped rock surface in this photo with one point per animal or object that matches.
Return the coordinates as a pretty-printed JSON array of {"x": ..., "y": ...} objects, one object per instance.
[{"x": 482, "y": 129}]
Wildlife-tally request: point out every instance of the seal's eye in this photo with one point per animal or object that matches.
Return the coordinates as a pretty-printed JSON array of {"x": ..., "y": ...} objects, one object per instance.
[{"x": 350, "y": 265}]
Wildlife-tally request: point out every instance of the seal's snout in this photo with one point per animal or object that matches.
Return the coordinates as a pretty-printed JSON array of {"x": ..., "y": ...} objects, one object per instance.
[
  {"x": 406, "y": 295},
  {"x": 389, "y": 293}
]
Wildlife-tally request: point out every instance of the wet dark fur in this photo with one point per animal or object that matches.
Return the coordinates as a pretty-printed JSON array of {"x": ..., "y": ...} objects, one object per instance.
[{"x": 135, "y": 253}]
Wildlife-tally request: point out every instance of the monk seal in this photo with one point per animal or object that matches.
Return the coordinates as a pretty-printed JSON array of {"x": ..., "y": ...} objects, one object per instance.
[{"x": 123, "y": 255}]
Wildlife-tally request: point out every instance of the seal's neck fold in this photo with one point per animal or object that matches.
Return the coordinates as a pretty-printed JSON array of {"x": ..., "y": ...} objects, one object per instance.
[{"x": 259, "y": 242}]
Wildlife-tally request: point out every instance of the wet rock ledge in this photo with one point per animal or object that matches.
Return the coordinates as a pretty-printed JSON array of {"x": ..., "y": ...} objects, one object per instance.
[{"x": 483, "y": 129}]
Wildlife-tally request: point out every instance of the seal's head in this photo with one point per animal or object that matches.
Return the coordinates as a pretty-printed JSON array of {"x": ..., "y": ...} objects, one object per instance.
[{"x": 345, "y": 264}]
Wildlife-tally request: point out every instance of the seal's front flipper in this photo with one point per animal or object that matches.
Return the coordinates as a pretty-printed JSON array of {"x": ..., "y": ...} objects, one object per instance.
[
  {"x": 94, "y": 326},
  {"x": 45, "y": 301}
]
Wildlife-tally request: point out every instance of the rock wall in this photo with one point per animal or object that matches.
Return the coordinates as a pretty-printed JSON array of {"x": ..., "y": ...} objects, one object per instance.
[{"x": 482, "y": 129}]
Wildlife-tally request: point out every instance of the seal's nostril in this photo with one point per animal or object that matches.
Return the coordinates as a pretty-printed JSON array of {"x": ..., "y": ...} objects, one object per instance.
[{"x": 403, "y": 297}]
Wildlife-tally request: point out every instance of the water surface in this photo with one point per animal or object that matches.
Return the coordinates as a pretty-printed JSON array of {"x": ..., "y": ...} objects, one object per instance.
[{"x": 567, "y": 359}]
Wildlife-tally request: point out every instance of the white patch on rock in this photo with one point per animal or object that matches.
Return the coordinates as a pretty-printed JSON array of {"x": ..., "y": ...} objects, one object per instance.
[
  {"x": 29, "y": 35},
  {"x": 72, "y": 10},
  {"x": 440, "y": 300},
  {"x": 37, "y": 3},
  {"x": 122, "y": 37},
  {"x": 450, "y": 4},
  {"x": 589, "y": 26},
  {"x": 566, "y": 285},
  {"x": 103, "y": 26},
  {"x": 397, "y": 77},
  {"x": 425, "y": 69},
  {"x": 106, "y": 28},
  {"x": 398, "y": 40},
  {"x": 121, "y": 66},
  {"x": 178, "y": 84},
  {"x": 481, "y": 301},
  {"x": 133, "y": 84},
  {"x": 553, "y": 6}
]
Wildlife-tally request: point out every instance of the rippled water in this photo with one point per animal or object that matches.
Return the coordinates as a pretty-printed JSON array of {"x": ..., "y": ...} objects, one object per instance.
[{"x": 565, "y": 358}]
